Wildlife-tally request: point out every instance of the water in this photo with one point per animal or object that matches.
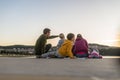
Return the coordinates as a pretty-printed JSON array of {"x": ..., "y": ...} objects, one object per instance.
[{"x": 111, "y": 56}]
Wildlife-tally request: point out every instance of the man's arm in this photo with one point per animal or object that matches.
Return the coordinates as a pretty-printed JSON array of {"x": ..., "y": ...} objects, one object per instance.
[{"x": 53, "y": 36}]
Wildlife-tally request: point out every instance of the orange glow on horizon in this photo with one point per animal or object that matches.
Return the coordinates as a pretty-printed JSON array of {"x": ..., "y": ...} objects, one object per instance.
[{"x": 118, "y": 43}]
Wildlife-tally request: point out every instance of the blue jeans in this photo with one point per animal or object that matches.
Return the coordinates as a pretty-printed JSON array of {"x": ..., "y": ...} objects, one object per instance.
[
  {"x": 53, "y": 53},
  {"x": 82, "y": 55}
]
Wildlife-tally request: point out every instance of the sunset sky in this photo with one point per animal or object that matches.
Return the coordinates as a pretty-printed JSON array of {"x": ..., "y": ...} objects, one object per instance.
[{"x": 22, "y": 21}]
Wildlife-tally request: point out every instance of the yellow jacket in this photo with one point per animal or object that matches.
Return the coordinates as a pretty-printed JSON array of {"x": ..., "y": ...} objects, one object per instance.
[{"x": 66, "y": 49}]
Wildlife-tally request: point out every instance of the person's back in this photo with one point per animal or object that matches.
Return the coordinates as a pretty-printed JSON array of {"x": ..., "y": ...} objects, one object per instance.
[
  {"x": 66, "y": 49},
  {"x": 61, "y": 41},
  {"x": 80, "y": 46},
  {"x": 40, "y": 44},
  {"x": 95, "y": 54}
]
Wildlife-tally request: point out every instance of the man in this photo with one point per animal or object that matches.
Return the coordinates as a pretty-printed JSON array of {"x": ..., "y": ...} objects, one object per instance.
[{"x": 40, "y": 46}]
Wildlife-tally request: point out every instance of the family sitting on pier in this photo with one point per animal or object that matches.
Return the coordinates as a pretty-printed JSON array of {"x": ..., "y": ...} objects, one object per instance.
[{"x": 65, "y": 48}]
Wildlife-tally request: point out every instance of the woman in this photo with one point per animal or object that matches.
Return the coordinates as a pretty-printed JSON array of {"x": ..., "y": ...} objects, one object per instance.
[{"x": 80, "y": 48}]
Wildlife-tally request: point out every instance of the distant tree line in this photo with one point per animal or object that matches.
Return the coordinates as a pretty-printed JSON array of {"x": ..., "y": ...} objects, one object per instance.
[
  {"x": 6, "y": 52},
  {"x": 110, "y": 52},
  {"x": 17, "y": 50},
  {"x": 24, "y": 50}
]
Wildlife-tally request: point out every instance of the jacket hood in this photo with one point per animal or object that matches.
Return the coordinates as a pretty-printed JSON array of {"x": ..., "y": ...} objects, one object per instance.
[
  {"x": 79, "y": 39},
  {"x": 67, "y": 42}
]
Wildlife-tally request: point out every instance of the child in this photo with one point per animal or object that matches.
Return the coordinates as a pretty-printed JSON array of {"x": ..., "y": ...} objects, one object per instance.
[
  {"x": 80, "y": 48},
  {"x": 65, "y": 50},
  {"x": 94, "y": 53},
  {"x": 61, "y": 41}
]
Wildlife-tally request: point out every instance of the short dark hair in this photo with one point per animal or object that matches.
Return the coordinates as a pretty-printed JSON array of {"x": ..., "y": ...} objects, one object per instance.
[
  {"x": 70, "y": 36},
  {"x": 46, "y": 30}
]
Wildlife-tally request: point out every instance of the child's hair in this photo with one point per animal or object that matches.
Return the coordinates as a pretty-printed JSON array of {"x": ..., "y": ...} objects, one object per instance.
[
  {"x": 46, "y": 30},
  {"x": 70, "y": 36},
  {"x": 61, "y": 36},
  {"x": 79, "y": 36}
]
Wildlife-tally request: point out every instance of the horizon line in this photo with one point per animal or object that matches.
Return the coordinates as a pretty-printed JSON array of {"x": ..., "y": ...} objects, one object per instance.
[{"x": 53, "y": 46}]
